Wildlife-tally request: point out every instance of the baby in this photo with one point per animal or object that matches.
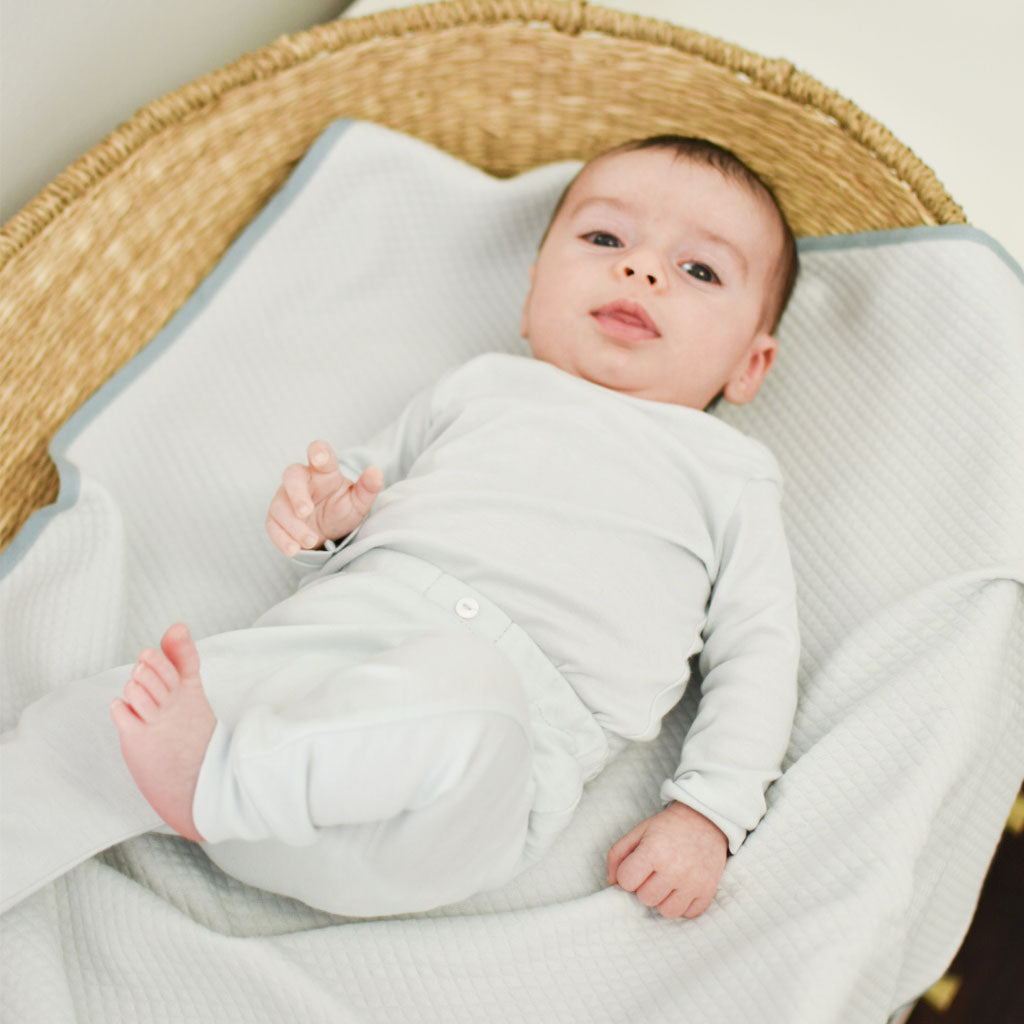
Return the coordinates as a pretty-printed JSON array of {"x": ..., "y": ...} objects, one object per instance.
[{"x": 509, "y": 583}]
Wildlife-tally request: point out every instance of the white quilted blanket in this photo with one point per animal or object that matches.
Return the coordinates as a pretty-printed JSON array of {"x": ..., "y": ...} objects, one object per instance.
[{"x": 895, "y": 411}]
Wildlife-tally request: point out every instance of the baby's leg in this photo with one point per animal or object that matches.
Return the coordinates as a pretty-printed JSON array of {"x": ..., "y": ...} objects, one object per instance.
[
  {"x": 165, "y": 723},
  {"x": 395, "y": 784}
]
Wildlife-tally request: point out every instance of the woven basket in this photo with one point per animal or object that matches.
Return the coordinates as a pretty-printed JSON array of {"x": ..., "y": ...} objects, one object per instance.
[{"x": 94, "y": 266}]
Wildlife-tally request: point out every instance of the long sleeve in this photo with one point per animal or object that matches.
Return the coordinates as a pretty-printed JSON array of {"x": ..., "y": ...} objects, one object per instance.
[{"x": 748, "y": 666}]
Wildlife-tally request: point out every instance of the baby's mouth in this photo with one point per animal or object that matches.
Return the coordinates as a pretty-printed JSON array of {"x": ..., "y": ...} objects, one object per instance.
[{"x": 626, "y": 321}]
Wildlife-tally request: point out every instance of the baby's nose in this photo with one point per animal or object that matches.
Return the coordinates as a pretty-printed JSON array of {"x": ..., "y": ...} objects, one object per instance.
[{"x": 628, "y": 271}]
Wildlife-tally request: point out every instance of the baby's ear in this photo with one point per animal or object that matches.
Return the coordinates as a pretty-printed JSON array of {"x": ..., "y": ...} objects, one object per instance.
[
  {"x": 524, "y": 323},
  {"x": 741, "y": 387}
]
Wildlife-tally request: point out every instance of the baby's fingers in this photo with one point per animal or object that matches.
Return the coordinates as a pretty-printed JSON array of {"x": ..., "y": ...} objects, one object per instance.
[
  {"x": 669, "y": 894},
  {"x": 634, "y": 871},
  {"x": 326, "y": 481},
  {"x": 655, "y": 890},
  {"x": 281, "y": 539},
  {"x": 349, "y": 505},
  {"x": 682, "y": 904},
  {"x": 687, "y": 901},
  {"x": 322, "y": 458},
  {"x": 697, "y": 905},
  {"x": 365, "y": 490},
  {"x": 289, "y": 532},
  {"x": 289, "y": 535},
  {"x": 621, "y": 850},
  {"x": 296, "y": 485}
]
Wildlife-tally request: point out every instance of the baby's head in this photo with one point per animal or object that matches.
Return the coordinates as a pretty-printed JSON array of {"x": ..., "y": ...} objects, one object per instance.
[{"x": 663, "y": 273}]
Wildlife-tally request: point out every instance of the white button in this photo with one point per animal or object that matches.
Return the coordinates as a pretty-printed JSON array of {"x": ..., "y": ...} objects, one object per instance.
[{"x": 466, "y": 608}]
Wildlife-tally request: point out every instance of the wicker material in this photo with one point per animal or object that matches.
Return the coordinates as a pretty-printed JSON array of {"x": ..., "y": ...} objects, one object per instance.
[{"x": 97, "y": 263}]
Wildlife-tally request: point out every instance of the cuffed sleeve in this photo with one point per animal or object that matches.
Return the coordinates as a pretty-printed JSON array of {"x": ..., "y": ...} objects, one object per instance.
[
  {"x": 748, "y": 666},
  {"x": 392, "y": 450}
]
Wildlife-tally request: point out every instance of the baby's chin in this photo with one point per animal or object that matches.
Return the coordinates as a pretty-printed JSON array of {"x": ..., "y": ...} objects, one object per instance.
[
  {"x": 621, "y": 384},
  {"x": 608, "y": 374},
  {"x": 649, "y": 391}
]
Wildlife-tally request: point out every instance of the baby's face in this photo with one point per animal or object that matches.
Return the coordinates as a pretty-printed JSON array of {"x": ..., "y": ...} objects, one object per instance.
[{"x": 653, "y": 281}]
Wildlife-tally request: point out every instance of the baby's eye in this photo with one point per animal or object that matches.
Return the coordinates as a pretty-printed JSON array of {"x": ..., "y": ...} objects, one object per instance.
[
  {"x": 701, "y": 271},
  {"x": 602, "y": 238}
]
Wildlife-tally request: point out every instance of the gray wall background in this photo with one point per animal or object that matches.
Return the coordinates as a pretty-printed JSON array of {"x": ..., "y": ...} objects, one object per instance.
[{"x": 72, "y": 71}]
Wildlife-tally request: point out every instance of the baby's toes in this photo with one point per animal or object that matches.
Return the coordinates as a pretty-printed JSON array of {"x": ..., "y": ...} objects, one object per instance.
[
  {"x": 125, "y": 718},
  {"x": 180, "y": 649},
  {"x": 140, "y": 700},
  {"x": 156, "y": 672}
]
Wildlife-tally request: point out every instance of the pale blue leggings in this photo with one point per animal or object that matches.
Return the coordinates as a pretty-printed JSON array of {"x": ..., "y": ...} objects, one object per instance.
[{"x": 388, "y": 741}]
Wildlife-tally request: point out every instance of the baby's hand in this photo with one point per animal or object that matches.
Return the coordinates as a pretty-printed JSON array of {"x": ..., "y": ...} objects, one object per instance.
[
  {"x": 315, "y": 502},
  {"x": 672, "y": 861}
]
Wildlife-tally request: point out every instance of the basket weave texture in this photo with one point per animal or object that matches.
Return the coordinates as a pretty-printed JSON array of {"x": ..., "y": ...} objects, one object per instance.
[{"x": 97, "y": 263}]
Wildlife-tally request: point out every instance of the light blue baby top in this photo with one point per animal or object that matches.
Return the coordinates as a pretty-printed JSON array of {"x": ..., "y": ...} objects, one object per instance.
[{"x": 624, "y": 535}]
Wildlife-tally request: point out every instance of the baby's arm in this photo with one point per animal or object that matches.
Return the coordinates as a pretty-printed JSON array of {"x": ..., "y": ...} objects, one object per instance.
[
  {"x": 672, "y": 860},
  {"x": 315, "y": 502},
  {"x": 738, "y": 738},
  {"x": 748, "y": 667}
]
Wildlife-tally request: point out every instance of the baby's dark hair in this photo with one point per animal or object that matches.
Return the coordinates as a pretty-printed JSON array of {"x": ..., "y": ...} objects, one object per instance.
[{"x": 702, "y": 151}]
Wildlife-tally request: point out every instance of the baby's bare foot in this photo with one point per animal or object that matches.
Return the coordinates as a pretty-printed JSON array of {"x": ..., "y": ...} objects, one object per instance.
[{"x": 165, "y": 723}]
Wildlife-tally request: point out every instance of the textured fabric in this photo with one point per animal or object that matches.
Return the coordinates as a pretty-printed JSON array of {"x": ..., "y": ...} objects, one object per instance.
[
  {"x": 599, "y": 522},
  {"x": 894, "y": 413}
]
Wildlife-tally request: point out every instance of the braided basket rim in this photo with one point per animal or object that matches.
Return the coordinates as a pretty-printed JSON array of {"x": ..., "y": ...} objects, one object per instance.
[{"x": 570, "y": 17}]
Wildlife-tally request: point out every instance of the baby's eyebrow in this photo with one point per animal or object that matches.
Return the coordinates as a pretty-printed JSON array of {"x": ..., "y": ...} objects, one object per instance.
[
  {"x": 620, "y": 204},
  {"x": 725, "y": 243}
]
